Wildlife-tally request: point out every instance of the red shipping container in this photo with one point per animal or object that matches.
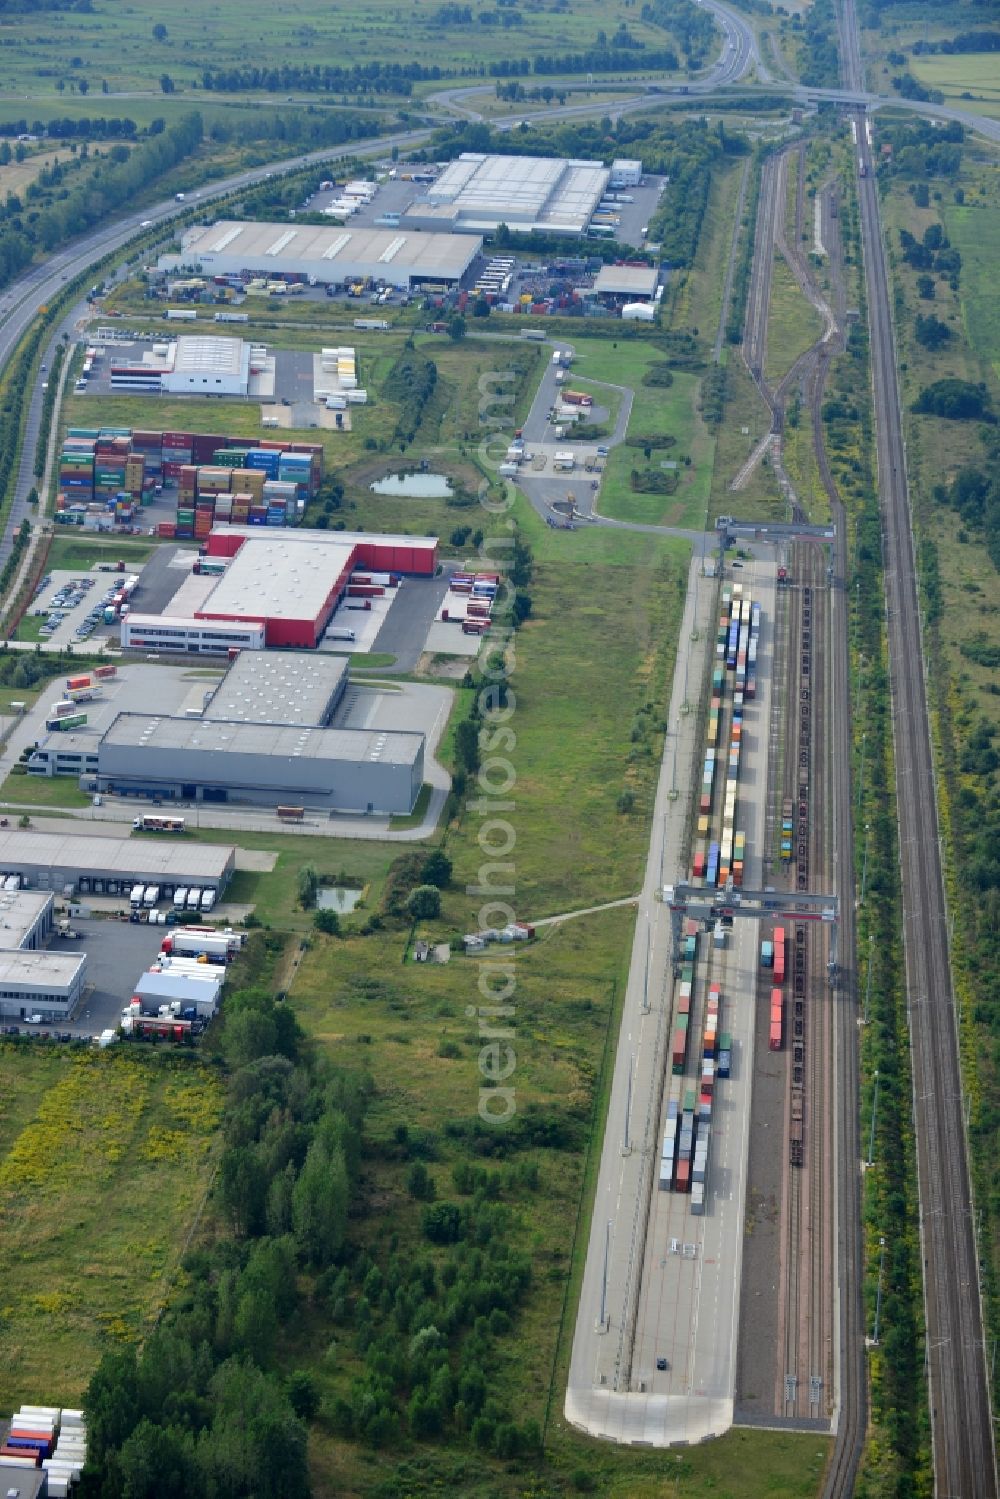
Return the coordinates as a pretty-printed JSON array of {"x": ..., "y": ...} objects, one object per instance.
[{"x": 682, "y": 1179}]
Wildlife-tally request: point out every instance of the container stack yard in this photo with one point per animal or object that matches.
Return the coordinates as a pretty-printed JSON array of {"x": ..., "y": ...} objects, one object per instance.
[
  {"x": 45, "y": 1437},
  {"x": 718, "y": 860},
  {"x": 106, "y": 473}
]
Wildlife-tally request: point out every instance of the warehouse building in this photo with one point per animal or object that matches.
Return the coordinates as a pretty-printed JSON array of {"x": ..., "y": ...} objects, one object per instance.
[
  {"x": 198, "y": 366},
  {"x": 202, "y": 993},
  {"x": 262, "y": 764},
  {"x": 27, "y": 919},
  {"x": 280, "y": 688},
  {"x": 33, "y": 981},
  {"x": 625, "y": 173},
  {"x": 477, "y": 193},
  {"x": 626, "y": 283},
  {"x": 44, "y": 983},
  {"x": 280, "y": 589},
  {"x": 179, "y": 634},
  {"x": 325, "y": 256},
  {"x": 94, "y": 865}
]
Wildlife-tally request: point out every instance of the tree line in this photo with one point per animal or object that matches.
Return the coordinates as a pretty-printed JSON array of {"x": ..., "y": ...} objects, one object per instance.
[
  {"x": 692, "y": 27},
  {"x": 87, "y": 127},
  {"x": 203, "y": 1409},
  {"x": 109, "y": 186},
  {"x": 362, "y": 78},
  {"x": 594, "y": 60},
  {"x": 965, "y": 41}
]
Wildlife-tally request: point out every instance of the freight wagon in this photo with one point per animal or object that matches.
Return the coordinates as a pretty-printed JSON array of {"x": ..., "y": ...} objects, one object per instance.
[{"x": 775, "y": 1040}]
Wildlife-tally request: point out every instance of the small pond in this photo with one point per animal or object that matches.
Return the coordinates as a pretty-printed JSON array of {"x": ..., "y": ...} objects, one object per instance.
[
  {"x": 414, "y": 486},
  {"x": 337, "y": 898}
]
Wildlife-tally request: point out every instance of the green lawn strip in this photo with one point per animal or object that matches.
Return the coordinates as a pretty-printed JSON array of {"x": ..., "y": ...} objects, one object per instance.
[
  {"x": 416, "y": 817},
  {"x": 793, "y": 324},
  {"x": 30, "y": 629},
  {"x": 802, "y": 467},
  {"x": 70, "y": 551},
  {"x": 44, "y": 791},
  {"x": 275, "y": 892},
  {"x": 97, "y": 1186}
]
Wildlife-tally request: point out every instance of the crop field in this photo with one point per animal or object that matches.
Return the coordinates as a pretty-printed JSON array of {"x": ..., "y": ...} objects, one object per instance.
[
  {"x": 104, "y": 1162},
  {"x": 971, "y": 79},
  {"x": 115, "y": 44}
]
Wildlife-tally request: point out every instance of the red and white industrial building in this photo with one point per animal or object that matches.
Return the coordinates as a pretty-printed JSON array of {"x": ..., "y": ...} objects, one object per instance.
[{"x": 278, "y": 590}]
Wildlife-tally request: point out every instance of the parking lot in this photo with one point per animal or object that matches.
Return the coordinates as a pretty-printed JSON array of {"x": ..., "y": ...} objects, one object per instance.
[
  {"x": 117, "y": 953},
  {"x": 72, "y": 605}
]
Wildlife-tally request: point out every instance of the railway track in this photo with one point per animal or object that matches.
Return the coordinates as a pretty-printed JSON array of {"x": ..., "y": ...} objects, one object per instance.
[
  {"x": 962, "y": 1436},
  {"x": 961, "y": 1416}
]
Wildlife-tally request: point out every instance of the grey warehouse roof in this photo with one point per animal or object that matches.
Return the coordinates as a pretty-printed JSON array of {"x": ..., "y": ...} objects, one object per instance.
[
  {"x": 550, "y": 192},
  {"x": 276, "y": 741},
  {"x": 38, "y": 967},
  {"x": 19, "y": 911},
  {"x": 119, "y": 856},
  {"x": 323, "y": 251},
  {"x": 627, "y": 280},
  {"x": 210, "y": 355},
  {"x": 278, "y": 687}
]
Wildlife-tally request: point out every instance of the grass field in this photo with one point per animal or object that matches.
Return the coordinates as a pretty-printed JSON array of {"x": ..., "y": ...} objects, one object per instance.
[
  {"x": 793, "y": 324},
  {"x": 975, "y": 233},
  {"x": 746, "y": 421},
  {"x": 104, "y": 1162},
  {"x": 43, "y": 791},
  {"x": 693, "y": 298},
  {"x": 656, "y": 410},
  {"x": 115, "y": 44},
  {"x": 69, "y": 550},
  {"x": 971, "y": 79},
  {"x": 17, "y": 175}
]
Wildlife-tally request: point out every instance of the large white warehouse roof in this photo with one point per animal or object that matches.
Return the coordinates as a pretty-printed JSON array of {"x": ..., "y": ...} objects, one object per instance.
[
  {"x": 330, "y": 254},
  {"x": 527, "y": 192}
]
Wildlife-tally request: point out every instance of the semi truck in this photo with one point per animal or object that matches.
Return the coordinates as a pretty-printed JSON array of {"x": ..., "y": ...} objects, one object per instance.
[
  {"x": 153, "y": 824},
  {"x": 192, "y": 941},
  {"x": 291, "y": 814}
]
